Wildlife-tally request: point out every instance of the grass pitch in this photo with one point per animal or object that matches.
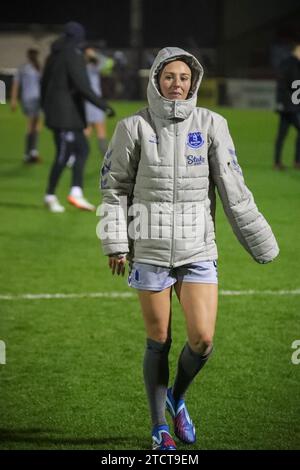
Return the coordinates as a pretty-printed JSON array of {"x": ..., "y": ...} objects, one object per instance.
[{"x": 73, "y": 372}]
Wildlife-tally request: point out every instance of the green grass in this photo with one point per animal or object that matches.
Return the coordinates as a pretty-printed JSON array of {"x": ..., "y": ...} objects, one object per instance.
[{"x": 73, "y": 377}]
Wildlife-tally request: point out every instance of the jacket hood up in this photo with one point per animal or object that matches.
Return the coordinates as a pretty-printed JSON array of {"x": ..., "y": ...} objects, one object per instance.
[{"x": 171, "y": 109}]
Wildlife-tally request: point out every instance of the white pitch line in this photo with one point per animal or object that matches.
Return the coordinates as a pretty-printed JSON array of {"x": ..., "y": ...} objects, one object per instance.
[
  {"x": 260, "y": 292},
  {"x": 82, "y": 295},
  {"x": 120, "y": 295}
]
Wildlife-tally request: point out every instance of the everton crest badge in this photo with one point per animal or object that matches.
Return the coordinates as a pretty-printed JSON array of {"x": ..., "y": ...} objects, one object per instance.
[{"x": 195, "y": 140}]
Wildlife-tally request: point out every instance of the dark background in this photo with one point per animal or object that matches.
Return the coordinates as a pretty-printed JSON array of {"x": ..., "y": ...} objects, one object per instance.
[
  {"x": 233, "y": 38},
  {"x": 205, "y": 22}
]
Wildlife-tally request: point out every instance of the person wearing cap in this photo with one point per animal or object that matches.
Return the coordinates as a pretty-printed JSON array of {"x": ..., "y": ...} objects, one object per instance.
[
  {"x": 27, "y": 82},
  {"x": 158, "y": 184},
  {"x": 64, "y": 88}
]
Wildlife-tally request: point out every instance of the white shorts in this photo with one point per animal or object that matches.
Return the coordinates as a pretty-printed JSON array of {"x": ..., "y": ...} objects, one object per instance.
[
  {"x": 93, "y": 114},
  {"x": 156, "y": 278}
]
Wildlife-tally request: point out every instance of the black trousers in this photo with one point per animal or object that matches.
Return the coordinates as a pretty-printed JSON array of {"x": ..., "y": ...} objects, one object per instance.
[
  {"x": 68, "y": 143},
  {"x": 287, "y": 120}
]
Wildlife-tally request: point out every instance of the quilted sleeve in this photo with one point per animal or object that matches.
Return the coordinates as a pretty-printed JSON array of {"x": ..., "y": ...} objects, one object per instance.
[
  {"x": 117, "y": 183},
  {"x": 248, "y": 224}
]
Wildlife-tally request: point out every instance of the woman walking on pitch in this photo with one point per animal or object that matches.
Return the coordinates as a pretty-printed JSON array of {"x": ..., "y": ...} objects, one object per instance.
[{"x": 163, "y": 164}]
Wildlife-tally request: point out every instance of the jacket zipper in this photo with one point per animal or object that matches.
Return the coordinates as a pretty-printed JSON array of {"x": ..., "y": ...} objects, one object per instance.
[{"x": 174, "y": 195}]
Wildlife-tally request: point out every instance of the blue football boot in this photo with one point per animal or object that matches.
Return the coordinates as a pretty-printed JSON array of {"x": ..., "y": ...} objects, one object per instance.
[
  {"x": 183, "y": 425},
  {"x": 162, "y": 439}
]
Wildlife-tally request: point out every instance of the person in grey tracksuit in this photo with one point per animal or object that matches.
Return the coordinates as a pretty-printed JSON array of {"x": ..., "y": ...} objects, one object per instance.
[
  {"x": 27, "y": 82},
  {"x": 158, "y": 184},
  {"x": 95, "y": 117}
]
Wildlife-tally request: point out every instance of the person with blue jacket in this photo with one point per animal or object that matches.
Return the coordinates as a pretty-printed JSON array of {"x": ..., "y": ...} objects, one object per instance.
[{"x": 158, "y": 184}]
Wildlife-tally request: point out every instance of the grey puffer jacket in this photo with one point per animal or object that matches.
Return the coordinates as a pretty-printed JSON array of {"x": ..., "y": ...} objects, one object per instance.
[{"x": 162, "y": 165}]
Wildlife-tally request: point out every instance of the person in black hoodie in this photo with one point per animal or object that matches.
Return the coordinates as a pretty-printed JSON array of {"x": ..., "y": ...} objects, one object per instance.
[
  {"x": 64, "y": 89},
  {"x": 288, "y": 105}
]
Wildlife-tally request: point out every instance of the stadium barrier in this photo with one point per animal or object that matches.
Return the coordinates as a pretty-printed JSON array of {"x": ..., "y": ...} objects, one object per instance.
[
  {"x": 236, "y": 93},
  {"x": 250, "y": 93}
]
